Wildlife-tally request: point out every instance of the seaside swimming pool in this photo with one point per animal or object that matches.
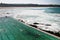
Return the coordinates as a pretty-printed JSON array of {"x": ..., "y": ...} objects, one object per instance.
[
  {"x": 11, "y": 29},
  {"x": 45, "y": 15}
]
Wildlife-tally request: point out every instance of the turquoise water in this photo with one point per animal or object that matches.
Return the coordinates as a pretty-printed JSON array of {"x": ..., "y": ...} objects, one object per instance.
[
  {"x": 53, "y": 10},
  {"x": 11, "y": 29}
]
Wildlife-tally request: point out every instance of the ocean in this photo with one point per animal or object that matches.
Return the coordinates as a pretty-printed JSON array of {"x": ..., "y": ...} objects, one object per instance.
[{"x": 45, "y": 15}]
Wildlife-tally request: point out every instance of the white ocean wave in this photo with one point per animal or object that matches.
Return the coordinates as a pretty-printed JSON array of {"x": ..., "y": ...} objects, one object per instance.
[{"x": 31, "y": 16}]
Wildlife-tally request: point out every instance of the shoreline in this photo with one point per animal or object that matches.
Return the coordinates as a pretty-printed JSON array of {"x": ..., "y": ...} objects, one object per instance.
[
  {"x": 22, "y": 21},
  {"x": 28, "y": 5},
  {"x": 39, "y": 30}
]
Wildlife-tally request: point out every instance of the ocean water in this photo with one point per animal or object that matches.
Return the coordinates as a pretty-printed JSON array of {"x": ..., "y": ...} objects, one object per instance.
[{"x": 45, "y": 15}]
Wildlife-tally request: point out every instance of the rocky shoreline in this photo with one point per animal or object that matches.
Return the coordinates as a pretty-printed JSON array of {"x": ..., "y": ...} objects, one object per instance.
[
  {"x": 40, "y": 26},
  {"x": 35, "y": 26}
]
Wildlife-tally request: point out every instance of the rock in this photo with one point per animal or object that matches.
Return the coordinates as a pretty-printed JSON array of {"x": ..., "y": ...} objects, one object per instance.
[
  {"x": 47, "y": 24},
  {"x": 22, "y": 21},
  {"x": 7, "y": 13},
  {"x": 6, "y": 16},
  {"x": 35, "y": 23}
]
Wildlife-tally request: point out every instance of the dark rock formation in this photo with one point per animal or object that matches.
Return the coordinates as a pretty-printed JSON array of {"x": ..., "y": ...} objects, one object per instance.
[
  {"x": 35, "y": 23},
  {"x": 47, "y": 24},
  {"x": 6, "y": 16},
  {"x": 7, "y": 13}
]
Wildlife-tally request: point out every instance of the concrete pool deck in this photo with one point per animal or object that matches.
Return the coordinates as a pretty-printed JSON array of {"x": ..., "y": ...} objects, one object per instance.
[{"x": 11, "y": 29}]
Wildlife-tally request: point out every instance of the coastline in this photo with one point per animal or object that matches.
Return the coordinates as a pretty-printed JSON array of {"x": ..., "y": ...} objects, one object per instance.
[
  {"x": 21, "y": 19},
  {"x": 23, "y": 22},
  {"x": 27, "y": 5}
]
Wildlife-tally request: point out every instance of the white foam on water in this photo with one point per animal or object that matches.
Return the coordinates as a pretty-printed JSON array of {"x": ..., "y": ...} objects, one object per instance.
[
  {"x": 31, "y": 16},
  {"x": 42, "y": 17}
]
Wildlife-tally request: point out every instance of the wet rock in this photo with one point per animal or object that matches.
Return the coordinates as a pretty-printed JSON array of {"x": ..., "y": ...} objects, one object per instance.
[
  {"x": 6, "y": 16},
  {"x": 35, "y": 23},
  {"x": 47, "y": 24},
  {"x": 50, "y": 32},
  {"x": 7, "y": 13},
  {"x": 56, "y": 34},
  {"x": 22, "y": 21}
]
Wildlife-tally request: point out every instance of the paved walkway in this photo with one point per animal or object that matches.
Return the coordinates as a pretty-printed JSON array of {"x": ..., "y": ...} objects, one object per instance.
[{"x": 11, "y": 29}]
